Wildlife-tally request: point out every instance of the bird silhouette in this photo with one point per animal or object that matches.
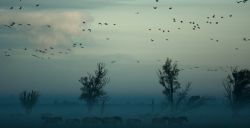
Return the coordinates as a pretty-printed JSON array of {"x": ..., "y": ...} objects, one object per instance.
[
  {"x": 242, "y": 1},
  {"x": 113, "y": 61},
  {"x": 12, "y": 24},
  {"x": 49, "y": 26},
  {"x": 245, "y": 39}
]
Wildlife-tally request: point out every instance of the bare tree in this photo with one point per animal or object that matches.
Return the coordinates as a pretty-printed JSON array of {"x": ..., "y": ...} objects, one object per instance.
[
  {"x": 93, "y": 86},
  {"x": 237, "y": 89},
  {"x": 29, "y": 99}
]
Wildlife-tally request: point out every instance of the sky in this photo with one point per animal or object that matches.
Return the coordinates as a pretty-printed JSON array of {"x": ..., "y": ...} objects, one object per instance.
[{"x": 132, "y": 53}]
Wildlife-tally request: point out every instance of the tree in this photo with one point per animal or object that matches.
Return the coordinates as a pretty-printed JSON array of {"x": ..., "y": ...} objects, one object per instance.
[
  {"x": 177, "y": 97},
  {"x": 168, "y": 78},
  {"x": 92, "y": 89},
  {"x": 237, "y": 89},
  {"x": 29, "y": 99}
]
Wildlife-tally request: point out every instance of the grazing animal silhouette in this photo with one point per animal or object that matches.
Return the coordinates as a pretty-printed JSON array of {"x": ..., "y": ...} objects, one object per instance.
[
  {"x": 134, "y": 122},
  {"x": 72, "y": 121},
  {"x": 178, "y": 120},
  {"x": 160, "y": 121},
  {"x": 91, "y": 121},
  {"x": 116, "y": 120},
  {"x": 52, "y": 119}
]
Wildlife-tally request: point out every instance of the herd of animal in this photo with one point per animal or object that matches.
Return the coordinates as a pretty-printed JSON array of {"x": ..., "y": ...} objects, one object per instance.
[{"x": 114, "y": 121}]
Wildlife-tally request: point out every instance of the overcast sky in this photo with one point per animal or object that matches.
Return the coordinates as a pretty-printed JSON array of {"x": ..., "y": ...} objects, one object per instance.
[{"x": 131, "y": 51}]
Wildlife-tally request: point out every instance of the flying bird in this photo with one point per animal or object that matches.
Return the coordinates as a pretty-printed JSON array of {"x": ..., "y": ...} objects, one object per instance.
[
  {"x": 49, "y": 26},
  {"x": 12, "y": 24}
]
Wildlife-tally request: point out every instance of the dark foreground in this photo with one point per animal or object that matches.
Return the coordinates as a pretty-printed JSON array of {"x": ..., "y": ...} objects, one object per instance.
[{"x": 119, "y": 116}]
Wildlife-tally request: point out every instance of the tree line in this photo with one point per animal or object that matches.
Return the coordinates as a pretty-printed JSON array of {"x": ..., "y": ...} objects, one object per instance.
[{"x": 177, "y": 96}]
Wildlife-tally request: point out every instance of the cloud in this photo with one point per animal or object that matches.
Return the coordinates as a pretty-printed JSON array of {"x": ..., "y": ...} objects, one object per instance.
[
  {"x": 47, "y": 27},
  {"x": 55, "y": 4}
]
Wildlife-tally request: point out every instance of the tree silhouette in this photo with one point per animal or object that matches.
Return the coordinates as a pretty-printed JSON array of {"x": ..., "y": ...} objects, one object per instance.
[
  {"x": 168, "y": 78},
  {"x": 92, "y": 89},
  {"x": 237, "y": 89},
  {"x": 177, "y": 97},
  {"x": 29, "y": 99}
]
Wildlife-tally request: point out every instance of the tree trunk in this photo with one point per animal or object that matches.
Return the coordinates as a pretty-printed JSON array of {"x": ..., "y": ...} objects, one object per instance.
[
  {"x": 171, "y": 97},
  {"x": 103, "y": 107},
  {"x": 90, "y": 107}
]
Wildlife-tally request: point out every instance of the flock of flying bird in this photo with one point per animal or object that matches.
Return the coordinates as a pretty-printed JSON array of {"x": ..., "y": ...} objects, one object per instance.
[
  {"x": 99, "y": 24},
  {"x": 13, "y": 24},
  {"x": 47, "y": 53}
]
